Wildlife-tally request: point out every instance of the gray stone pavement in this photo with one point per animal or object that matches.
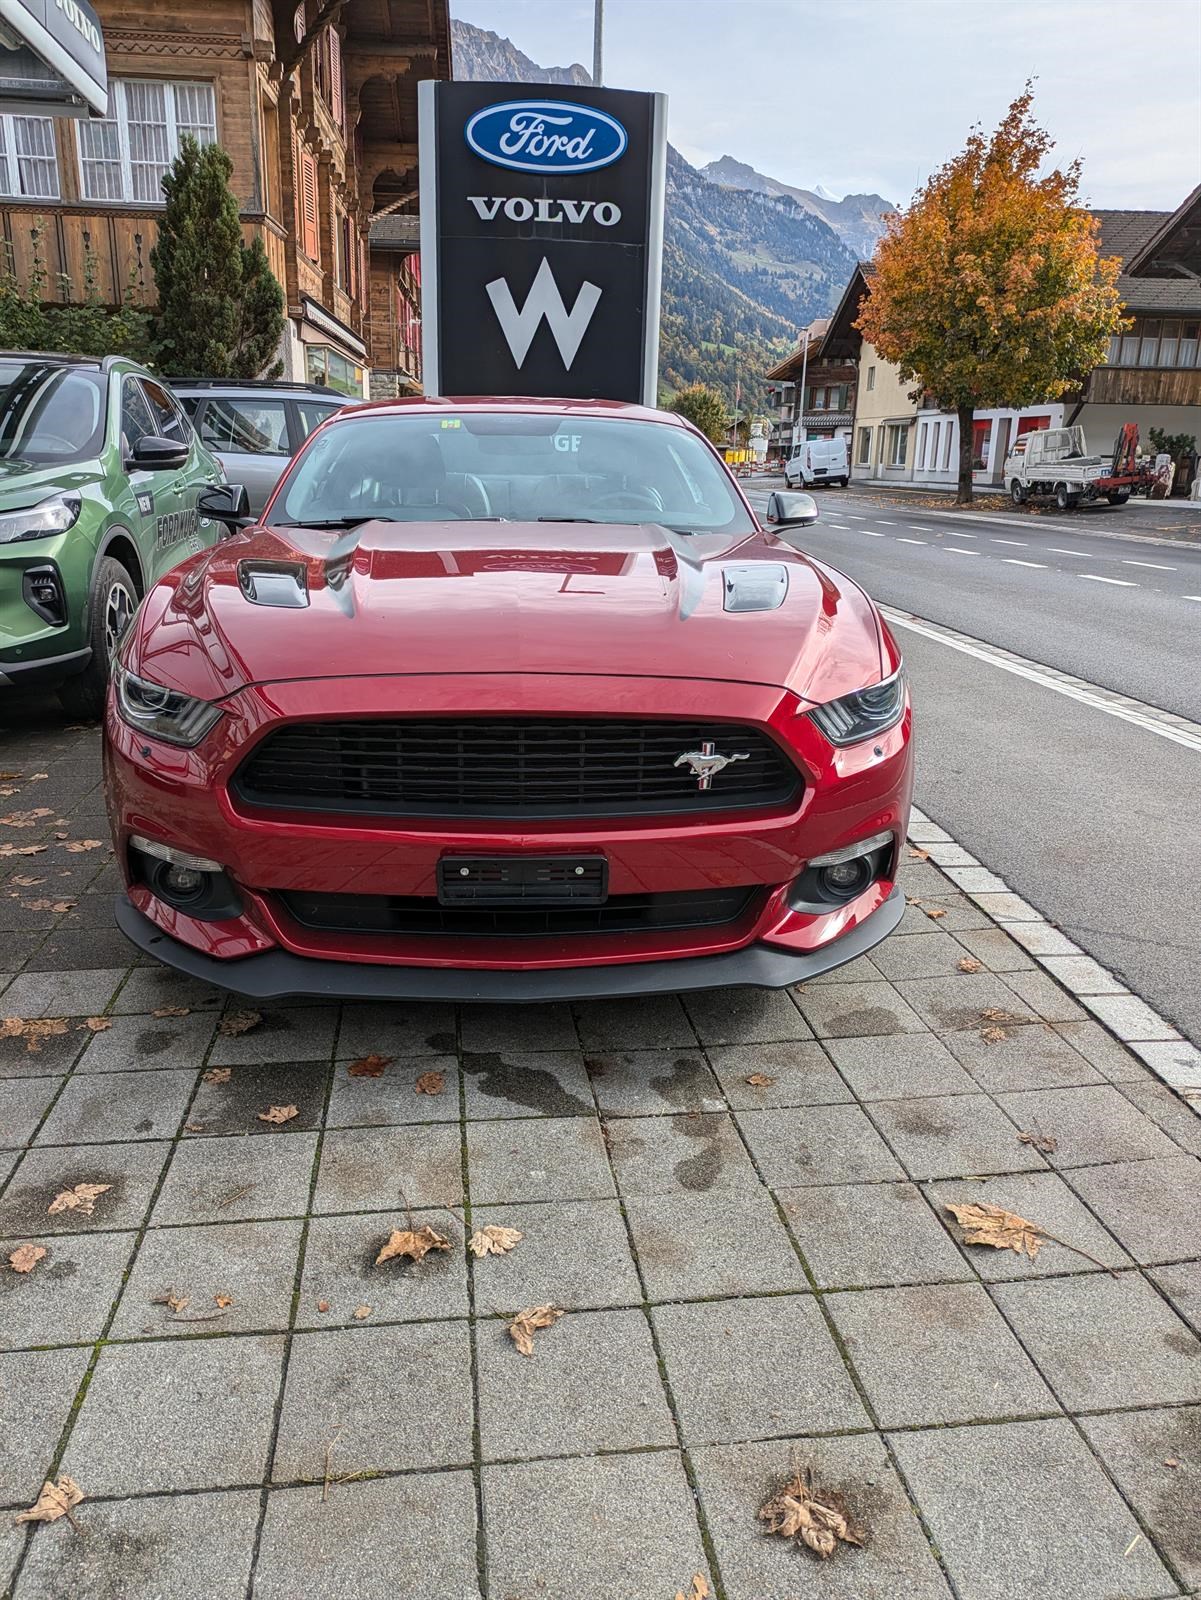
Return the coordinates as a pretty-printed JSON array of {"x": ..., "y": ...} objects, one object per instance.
[{"x": 756, "y": 1277}]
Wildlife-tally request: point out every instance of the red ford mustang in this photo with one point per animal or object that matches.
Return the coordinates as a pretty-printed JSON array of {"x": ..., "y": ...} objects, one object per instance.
[{"x": 507, "y": 700}]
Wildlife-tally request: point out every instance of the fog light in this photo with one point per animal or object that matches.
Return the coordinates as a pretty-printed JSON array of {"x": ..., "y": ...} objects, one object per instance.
[
  {"x": 182, "y": 880},
  {"x": 847, "y": 877}
]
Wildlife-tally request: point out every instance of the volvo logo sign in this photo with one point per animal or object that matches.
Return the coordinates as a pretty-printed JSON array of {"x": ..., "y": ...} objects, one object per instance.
[{"x": 552, "y": 136}]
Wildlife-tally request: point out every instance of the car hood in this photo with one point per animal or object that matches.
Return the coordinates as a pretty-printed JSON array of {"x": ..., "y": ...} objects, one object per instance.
[
  {"x": 481, "y": 597},
  {"x": 24, "y": 483}
]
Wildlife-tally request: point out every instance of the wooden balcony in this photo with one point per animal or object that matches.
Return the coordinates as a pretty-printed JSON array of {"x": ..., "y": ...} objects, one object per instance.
[{"x": 1144, "y": 386}]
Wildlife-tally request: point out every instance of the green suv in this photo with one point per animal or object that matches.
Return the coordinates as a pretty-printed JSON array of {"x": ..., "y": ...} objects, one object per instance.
[{"x": 100, "y": 471}]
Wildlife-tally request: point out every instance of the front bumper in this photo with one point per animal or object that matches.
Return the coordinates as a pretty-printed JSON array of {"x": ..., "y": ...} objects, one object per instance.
[
  {"x": 278, "y": 975},
  {"x": 45, "y": 670}
]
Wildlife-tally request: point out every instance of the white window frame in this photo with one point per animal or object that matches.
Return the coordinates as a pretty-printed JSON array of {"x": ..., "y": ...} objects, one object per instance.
[
  {"x": 10, "y": 161},
  {"x": 119, "y": 113}
]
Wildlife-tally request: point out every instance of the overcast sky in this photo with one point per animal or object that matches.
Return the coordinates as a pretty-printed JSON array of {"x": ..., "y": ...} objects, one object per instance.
[{"x": 869, "y": 95}]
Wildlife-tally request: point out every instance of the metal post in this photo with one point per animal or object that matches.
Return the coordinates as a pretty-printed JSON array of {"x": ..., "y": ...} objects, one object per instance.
[
  {"x": 804, "y": 376},
  {"x": 598, "y": 29}
]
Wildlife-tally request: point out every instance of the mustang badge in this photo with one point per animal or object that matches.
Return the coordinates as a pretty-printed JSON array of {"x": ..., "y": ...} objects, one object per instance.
[{"x": 705, "y": 763}]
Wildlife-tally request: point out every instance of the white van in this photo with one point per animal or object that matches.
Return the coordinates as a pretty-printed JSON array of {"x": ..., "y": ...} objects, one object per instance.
[{"x": 818, "y": 461}]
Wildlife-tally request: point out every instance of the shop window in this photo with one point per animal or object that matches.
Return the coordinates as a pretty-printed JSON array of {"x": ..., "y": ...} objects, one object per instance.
[
  {"x": 864, "y": 455},
  {"x": 897, "y": 443},
  {"x": 981, "y": 439},
  {"x": 325, "y": 365}
]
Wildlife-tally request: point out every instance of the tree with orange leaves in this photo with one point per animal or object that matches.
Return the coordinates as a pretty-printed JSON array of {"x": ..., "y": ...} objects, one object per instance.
[{"x": 989, "y": 290}]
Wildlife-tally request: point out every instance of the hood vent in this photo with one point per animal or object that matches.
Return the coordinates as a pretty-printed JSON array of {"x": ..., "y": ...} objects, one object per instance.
[
  {"x": 756, "y": 586},
  {"x": 274, "y": 583}
]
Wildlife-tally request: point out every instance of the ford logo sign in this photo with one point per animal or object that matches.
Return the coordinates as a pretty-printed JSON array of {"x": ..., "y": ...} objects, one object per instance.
[{"x": 546, "y": 136}]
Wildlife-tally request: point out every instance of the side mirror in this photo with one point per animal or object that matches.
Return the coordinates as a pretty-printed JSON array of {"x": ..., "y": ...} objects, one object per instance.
[
  {"x": 786, "y": 510},
  {"x": 155, "y": 454},
  {"x": 226, "y": 502}
]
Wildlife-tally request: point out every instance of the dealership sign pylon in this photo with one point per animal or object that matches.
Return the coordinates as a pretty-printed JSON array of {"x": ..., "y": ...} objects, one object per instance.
[{"x": 541, "y": 239}]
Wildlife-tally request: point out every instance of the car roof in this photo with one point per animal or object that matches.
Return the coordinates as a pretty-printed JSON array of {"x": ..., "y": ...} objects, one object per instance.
[
  {"x": 259, "y": 386},
  {"x": 516, "y": 403}
]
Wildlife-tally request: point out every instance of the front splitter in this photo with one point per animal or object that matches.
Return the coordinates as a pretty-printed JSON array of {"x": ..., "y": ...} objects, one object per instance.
[{"x": 279, "y": 975}]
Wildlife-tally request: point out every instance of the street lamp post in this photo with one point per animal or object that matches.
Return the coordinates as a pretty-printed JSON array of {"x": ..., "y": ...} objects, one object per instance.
[{"x": 598, "y": 29}]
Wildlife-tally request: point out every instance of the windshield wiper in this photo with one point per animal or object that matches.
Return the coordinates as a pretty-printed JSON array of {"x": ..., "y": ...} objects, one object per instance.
[{"x": 568, "y": 519}]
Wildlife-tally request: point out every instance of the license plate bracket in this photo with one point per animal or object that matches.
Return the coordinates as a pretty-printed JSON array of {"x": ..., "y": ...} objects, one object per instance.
[{"x": 523, "y": 880}]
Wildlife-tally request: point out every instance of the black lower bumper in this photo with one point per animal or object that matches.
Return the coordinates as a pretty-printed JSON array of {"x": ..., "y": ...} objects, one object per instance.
[
  {"x": 43, "y": 671},
  {"x": 276, "y": 974}
]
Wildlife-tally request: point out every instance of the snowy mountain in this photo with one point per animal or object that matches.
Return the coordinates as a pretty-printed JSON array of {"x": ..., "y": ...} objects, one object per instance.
[{"x": 858, "y": 219}]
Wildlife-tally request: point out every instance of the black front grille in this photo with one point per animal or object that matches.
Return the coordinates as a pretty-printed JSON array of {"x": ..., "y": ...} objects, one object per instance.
[
  {"x": 489, "y": 767},
  {"x": 419, "y": 914}
]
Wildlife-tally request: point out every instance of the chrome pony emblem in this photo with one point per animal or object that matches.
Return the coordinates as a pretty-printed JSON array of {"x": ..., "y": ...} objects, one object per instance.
[{"x": 705, "y": 763}]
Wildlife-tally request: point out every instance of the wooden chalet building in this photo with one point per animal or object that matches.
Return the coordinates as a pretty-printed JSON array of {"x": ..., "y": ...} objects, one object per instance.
[
  {"x": 316, "y": 104},
  {"x": 813, "y": 394}
]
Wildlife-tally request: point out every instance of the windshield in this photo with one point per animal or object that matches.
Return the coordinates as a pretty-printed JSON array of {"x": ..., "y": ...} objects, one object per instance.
[
  {"x": 515, "y": 466},
  {"x": 50, "y": 414}
]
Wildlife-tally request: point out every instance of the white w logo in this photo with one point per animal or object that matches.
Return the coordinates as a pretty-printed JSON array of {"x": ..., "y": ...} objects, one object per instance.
[{"x": 543, "y": 300}]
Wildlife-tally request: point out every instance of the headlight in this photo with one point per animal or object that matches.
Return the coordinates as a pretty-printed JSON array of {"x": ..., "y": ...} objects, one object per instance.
[
  {"x": 55, "y": 515},
  {"x": 163, "y": 713},
  {"x": 863, "y": 714}
]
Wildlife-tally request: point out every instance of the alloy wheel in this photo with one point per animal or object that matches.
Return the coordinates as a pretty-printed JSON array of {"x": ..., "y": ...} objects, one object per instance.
[{"x": 119, "y": 607}]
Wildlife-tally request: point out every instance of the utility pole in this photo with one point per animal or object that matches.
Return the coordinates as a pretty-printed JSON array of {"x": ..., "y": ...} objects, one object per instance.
[
  {"x": 804, "y": 377},
  {"x": 598, "y": 30}
]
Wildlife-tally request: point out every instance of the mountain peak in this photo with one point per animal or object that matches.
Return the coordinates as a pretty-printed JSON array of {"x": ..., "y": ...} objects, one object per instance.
[
  {"x": 480, "y": 56},
  {"x": 856, "y": 218}
]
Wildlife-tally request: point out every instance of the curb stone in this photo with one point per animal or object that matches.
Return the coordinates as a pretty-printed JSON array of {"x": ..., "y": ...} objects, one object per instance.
[{"x": 1172, "y": 1058}]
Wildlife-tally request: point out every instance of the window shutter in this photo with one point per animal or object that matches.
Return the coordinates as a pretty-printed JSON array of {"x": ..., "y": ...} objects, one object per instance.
[
  {"x": 310, "y": 237},
  {"x": 335, "y": 76}
]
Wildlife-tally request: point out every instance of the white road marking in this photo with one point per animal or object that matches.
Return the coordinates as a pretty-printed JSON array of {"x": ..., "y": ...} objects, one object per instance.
[
  {"x": 1017, "y": 543},
  {"x": 917, "y": 528},
  {"x": 872, "y": 535},
  {"x": 911, "y": 541},
  {"x": 854, "y": 517},
  {"x": 1190, "y": 596},
  {"x": 958, "y": 550},
  {"x": 884, "y": 524},
  {"x": 1122, "y": 706},
  {"x": 1122, "y": 583},
  {"x": 1015, "y": 561},
  {"x": 1154, "y": 565},
  {"x": 1056, "y": 551}
]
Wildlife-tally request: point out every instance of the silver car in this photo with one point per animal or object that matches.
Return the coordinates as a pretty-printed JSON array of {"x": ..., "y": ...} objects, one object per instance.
[{"x": 255, "y": 428}]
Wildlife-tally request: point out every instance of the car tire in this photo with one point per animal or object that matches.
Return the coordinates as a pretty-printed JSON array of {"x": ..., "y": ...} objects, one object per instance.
[
  {"x": 1118, "y": 499},
  {"x": 112, "y": 601},
  {"x": 1064, "y": 500},
  {"x": 845, "y": 482},
  {"x": 1017, "y": 494}
]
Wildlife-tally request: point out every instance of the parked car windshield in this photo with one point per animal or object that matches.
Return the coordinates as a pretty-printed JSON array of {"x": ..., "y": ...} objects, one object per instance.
[
  {"x": 516, "y": 466},
  {"x": 50, "y": 413}
]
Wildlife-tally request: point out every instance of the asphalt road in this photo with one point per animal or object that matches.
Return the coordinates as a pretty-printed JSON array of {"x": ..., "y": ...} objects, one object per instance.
[{"x": 1093, "y": 819}]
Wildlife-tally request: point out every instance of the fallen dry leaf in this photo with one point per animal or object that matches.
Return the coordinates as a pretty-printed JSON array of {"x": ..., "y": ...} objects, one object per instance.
[
  {"x": 33, "y": 1032},
  {"x": 999, "y": 1014},
  {"x": 361, "y": 1313},
  {"x": 9, "y": 789},
  {"x": 49, "y": 905},
  {"x": 96, "y": 1024},
  {"x": 77, "y": 846},
  {"x": 278, "y": 1114},
  {"x": 56, "y": 1500},
  {"x": 993, "y": 1035},
  {"x": 223, "y": 1300},
  {"x": 26, "y": 882},
  {"x": 22, "y": 849},
  {"x": 81, "y": 1198},
  {"x": 493, "y": 1240},
  {"x": 36, "y": 777},
  {"x": 416, "y": 1243},
  {"x": 216, "y": 1075},
  {"x": 993, "y": 1225},
  {"x": 934, "y": 912},
  {"x": 524, "y": 1325},
  {"x": 26, "y": 1256},
  {"x": 323, "y": 1306},
  {"x": 699, "y": 1590},
  {"x": 760, "y": 1080},
  {"x": 372, "y": 1066},
  {"x": 236, "y": 1022},
  {"x": 1045, "y": 1142},
  {"x": 969, "y": 964},
  {"x": 171, "y": 1011},
  {"x": 817, "y": 1520},
  {"x": 430, "y": 1083},
  {"x": 1171, "y": 1461},
  {"x": 916, "y": 853},
  {"x": 176, "y": 1302},
  {"x": 26, "y": 819}
]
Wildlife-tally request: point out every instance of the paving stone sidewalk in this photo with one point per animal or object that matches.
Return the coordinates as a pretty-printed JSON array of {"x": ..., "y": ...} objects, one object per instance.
[{"x": 757, "y": 1276}]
